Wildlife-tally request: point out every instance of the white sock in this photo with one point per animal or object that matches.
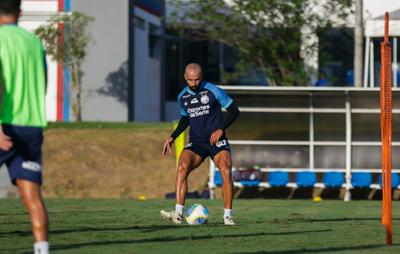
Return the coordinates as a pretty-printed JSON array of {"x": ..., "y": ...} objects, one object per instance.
[
  {"x": 227, "y": 212},
  {"x": 179, "y": 209},
  {"x": 41, "y": 247}
]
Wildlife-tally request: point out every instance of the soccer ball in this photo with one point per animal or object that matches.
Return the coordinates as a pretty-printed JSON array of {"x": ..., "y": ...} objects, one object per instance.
[{"x": 197, "y": 215}]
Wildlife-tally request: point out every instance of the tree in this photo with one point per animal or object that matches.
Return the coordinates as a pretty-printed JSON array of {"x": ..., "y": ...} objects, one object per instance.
[
  {"x": 66, "y": 41},
  {"x": 276, "y": 37}
]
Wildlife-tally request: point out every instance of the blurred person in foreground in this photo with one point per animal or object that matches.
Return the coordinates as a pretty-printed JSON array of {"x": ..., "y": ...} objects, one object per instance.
[
  {"x": 22, "y": 115},
  {"x": 200, "y": 106}
]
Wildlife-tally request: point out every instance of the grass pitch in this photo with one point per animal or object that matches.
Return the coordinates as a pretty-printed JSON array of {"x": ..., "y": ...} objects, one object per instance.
[{"x": 263, "y": 226}]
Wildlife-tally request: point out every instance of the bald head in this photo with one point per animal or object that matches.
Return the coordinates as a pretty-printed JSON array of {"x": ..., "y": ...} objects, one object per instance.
[
  {"x": 193, "y": 67},
  {"x": 193, "y": 75}
]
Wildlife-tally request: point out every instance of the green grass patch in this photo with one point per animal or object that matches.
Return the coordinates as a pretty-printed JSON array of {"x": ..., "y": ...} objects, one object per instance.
[
  {"x": 108, "y": 125},
  {"x": 263, "y": 226}
]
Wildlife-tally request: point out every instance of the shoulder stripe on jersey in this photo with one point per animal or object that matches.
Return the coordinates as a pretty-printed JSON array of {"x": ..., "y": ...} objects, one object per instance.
[
  {"x": 222, "y": 97},
  {"x": 184, "y": 90},
  {"x": 182, "y": 109}
]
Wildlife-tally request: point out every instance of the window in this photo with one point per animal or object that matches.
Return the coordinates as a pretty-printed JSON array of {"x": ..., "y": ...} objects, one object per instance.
[
  {"x": 335, "y": 55},
  {"x": 139, "y": 22}
]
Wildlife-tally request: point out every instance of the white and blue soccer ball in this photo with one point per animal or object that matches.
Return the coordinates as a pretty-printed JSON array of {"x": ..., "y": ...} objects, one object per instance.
[{"x": 197, "y": 214}]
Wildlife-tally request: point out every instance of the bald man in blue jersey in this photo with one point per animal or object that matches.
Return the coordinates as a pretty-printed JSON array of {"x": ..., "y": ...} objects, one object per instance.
[{"x": 200, "y": 105}]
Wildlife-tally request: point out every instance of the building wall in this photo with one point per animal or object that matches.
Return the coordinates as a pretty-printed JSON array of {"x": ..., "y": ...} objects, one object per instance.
[
  {"x": 106, "y": 68},
  {"x": 105, "y": 80},
  {"x": 373, "y": 8},
  {"x": 105, "y": 84},
  {"x": 147, "y": 75}
]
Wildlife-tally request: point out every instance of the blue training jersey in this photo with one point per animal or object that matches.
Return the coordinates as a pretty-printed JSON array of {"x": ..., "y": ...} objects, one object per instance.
[{"x": 203, "y": 108}]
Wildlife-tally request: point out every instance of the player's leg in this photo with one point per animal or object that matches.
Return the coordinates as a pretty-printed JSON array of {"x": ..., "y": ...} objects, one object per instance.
[
  {"x": 190, "y": 158},
  {"x": 188, "y": 161},
  {"x": 26, "y": 173},
  {"x": 28, "y": 183},
  {"x": 31, "y": 197},
  {"x": 223, "y": 162}
]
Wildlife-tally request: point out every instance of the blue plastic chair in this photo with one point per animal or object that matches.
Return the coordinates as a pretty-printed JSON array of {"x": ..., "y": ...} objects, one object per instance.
[
  {"x": 250, "y": 183},
  {"x": 217, "y": 178},
  {"x": 333, "y": 179},
  {"x": 361, "y": 179},
  {"x": 395, "y": 180},
  {"x": 278, "y": 178},
  {"x": 306, "y": 179}
]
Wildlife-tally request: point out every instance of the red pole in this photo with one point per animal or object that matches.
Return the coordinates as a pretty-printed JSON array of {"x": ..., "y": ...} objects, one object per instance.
[{"x": 386, "y": 131}]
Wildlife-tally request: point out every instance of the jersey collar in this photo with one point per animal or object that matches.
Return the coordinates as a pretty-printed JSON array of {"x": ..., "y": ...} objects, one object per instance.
[{"x": 190, "y": 91}]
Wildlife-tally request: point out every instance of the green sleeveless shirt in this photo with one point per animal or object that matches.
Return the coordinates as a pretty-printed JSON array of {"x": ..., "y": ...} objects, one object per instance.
[{"x": 23, "y": 78}]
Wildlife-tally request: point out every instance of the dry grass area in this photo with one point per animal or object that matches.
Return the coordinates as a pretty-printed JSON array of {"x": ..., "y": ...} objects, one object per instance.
[{"x": 110, "y": 163}]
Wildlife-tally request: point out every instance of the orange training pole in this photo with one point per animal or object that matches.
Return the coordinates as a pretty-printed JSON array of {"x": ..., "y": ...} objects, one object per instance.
[{"x": 386, "y": 130}]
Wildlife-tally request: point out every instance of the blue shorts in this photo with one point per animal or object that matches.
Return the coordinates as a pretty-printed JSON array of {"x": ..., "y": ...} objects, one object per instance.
[
  {"x": 205, "y": 150},
  {"x": 24, "y": 159}
]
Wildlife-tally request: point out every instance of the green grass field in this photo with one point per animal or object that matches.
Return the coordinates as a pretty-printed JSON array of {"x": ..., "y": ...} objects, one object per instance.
[{"x": 263, "y": 226}]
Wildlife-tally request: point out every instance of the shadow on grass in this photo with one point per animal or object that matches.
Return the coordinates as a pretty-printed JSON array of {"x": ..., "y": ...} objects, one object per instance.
[
  {"x": 143, "y": 229},
  {"x": 178, "y": 239},
  {"x": 342, "y": 219},
  {"x": 14, "y": 214},
  {"x": 320, "y": 250},
  {"x": 15, "y": 223}
]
